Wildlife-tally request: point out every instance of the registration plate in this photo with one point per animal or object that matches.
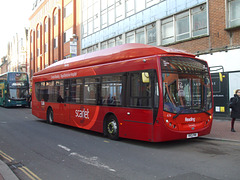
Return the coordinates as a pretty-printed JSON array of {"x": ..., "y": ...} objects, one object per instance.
[{"x": 193, "y": 135}]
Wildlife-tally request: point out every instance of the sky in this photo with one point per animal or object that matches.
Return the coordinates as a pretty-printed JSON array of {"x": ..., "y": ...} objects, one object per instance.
[{"x": 14, "y": 15}]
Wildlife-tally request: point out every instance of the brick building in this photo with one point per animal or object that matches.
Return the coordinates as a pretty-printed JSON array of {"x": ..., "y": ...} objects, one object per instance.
[{"x": 54, "y": 25}]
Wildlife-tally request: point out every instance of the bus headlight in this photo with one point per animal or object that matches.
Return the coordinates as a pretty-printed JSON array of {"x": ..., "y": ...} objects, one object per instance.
[{"x": 9, "y": 100}]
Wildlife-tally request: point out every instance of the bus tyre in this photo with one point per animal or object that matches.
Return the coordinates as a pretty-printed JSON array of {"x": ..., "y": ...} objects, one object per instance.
[
  {"x": 112, "y": 128},
  {"x": 50, "y": 116}
]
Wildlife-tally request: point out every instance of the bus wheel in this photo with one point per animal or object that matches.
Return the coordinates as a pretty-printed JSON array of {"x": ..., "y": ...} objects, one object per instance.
[
  {"x": 112, "y": 127},
  {"x": 50, "y": 116}
]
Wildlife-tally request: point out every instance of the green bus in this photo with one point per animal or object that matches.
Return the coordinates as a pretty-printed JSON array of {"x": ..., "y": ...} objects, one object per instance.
[{"x": 14, "y": 89}]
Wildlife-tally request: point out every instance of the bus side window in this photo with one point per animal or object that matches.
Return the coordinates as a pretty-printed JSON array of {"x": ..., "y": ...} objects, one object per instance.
[
  {"x": 111, "y": 90},
  {"x": 37, "y": 90},
  {"x": 140, "y": 89},
  {"x": 91, "y": 91},
  {"x": 59, "y": 94},
  {"x": 76, "y": 90},
  {"x": 51, "y": 91},
  {"x": 66, "y": 90}
]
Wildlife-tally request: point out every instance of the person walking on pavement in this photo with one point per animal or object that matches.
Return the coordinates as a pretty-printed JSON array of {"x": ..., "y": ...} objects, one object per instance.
[{"x": 235, "y": 106}]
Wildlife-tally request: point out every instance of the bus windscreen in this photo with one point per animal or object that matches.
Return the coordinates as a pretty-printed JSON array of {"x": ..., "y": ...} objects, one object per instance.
[{"x": 186, "y": 85}]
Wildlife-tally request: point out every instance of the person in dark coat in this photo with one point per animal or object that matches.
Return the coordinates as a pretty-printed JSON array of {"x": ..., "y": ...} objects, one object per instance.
[{"x": 235, "y": 105}]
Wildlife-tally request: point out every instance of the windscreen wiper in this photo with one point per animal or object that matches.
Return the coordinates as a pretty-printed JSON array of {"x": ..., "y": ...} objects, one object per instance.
[
  {"x": 204, "y": 111},
  {"x": 187, "y": 107},
  {"x": 179, "y": 112}
]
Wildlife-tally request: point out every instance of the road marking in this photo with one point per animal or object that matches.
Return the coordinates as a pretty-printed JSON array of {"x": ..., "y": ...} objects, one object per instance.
[
  {"x": 91, "y": 161},
  {"x": 22, "y": 168},
  {"x": 5, "y": 156},
  {"x": 64, "y": 147},
  {"x": 29, "y": 173}
]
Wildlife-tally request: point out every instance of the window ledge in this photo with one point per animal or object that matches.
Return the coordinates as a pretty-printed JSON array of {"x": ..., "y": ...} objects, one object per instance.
[
  {"x": 185, "y": 40},
  {"x": 232, "y": 28}
]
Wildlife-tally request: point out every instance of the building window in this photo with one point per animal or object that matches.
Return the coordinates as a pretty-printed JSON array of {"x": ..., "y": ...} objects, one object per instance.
[
  {"x": 140, "y": 36},
  {"x": 84, "y": 29},
  {"x": 104, "y": 18},
  {"x": 182, "y": 26},
  {"x": 67, "y": 35},
  {"x": 234, "y": 13},
  {"x": 68, "y": 9},
  {"x": 167, "y": 31},
  {"x": 55, "y": 43},
  {"x": 55, "y": 19},
  {"x": 111, "y": 15},
  {"x": 130, "y": 37},
  {"x": 119, "y": 11},
  {"x": 119, "y": 40},
  {"x": 90, "y": 26},
  {"x": 151, "y": 34},
  {"x": 95, "y": 47},
  {"x": 38, "y": 52},
  {"x": 96, "y": 16},
  {"x": 129, "y": 7},
  {"x": 90, "y": 49},
  {"x": 111, "y": 43},
  {"x": 46, "y": 47},
  {"x": 45, "y": 26},
  {"x": 199, "y": 20},
  {"x": 38, "y": 33},
  {"x": 84, "y": 51},
  {"x": 104, "y": 45},
  {"x": 186, "y": 25}
]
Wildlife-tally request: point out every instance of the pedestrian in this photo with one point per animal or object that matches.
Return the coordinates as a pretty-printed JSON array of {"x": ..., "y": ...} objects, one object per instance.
[
  {"x": 29, "y": 100},
  {"x": 234, "y": 104}
]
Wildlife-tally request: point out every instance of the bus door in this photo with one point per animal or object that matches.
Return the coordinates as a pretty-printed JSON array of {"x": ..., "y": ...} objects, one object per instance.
[{"x": 138, "y": 119}]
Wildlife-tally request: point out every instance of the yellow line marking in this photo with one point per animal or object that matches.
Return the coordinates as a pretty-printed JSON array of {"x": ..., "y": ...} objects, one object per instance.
[
  {"x": 34, "y": 175},
  {"x": 7, "y": 157},
  {"x": 24, "y": 169},
  {"x": 25, "y": 172}
]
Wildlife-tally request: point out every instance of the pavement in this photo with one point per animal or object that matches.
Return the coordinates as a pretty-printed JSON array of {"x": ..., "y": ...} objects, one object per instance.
[
  {"x": 221, "y": 130},
  {"x": 6, "y": 173}
]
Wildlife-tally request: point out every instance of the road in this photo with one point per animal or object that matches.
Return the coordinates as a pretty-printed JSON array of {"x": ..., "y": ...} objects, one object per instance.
[{"x": 36, "y": 150}]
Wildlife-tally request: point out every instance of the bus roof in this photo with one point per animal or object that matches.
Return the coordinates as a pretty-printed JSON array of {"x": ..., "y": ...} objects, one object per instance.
[{"x": 118, "y": 53}]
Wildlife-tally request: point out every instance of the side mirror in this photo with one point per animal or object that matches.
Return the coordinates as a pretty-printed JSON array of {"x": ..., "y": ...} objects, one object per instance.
[
  {"x": 221, "y": 76},
  {"x": 145, "y": 77}
]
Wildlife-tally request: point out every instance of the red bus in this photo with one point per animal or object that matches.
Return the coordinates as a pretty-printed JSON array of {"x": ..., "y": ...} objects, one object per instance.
[{"x": 133, "y": 91}]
